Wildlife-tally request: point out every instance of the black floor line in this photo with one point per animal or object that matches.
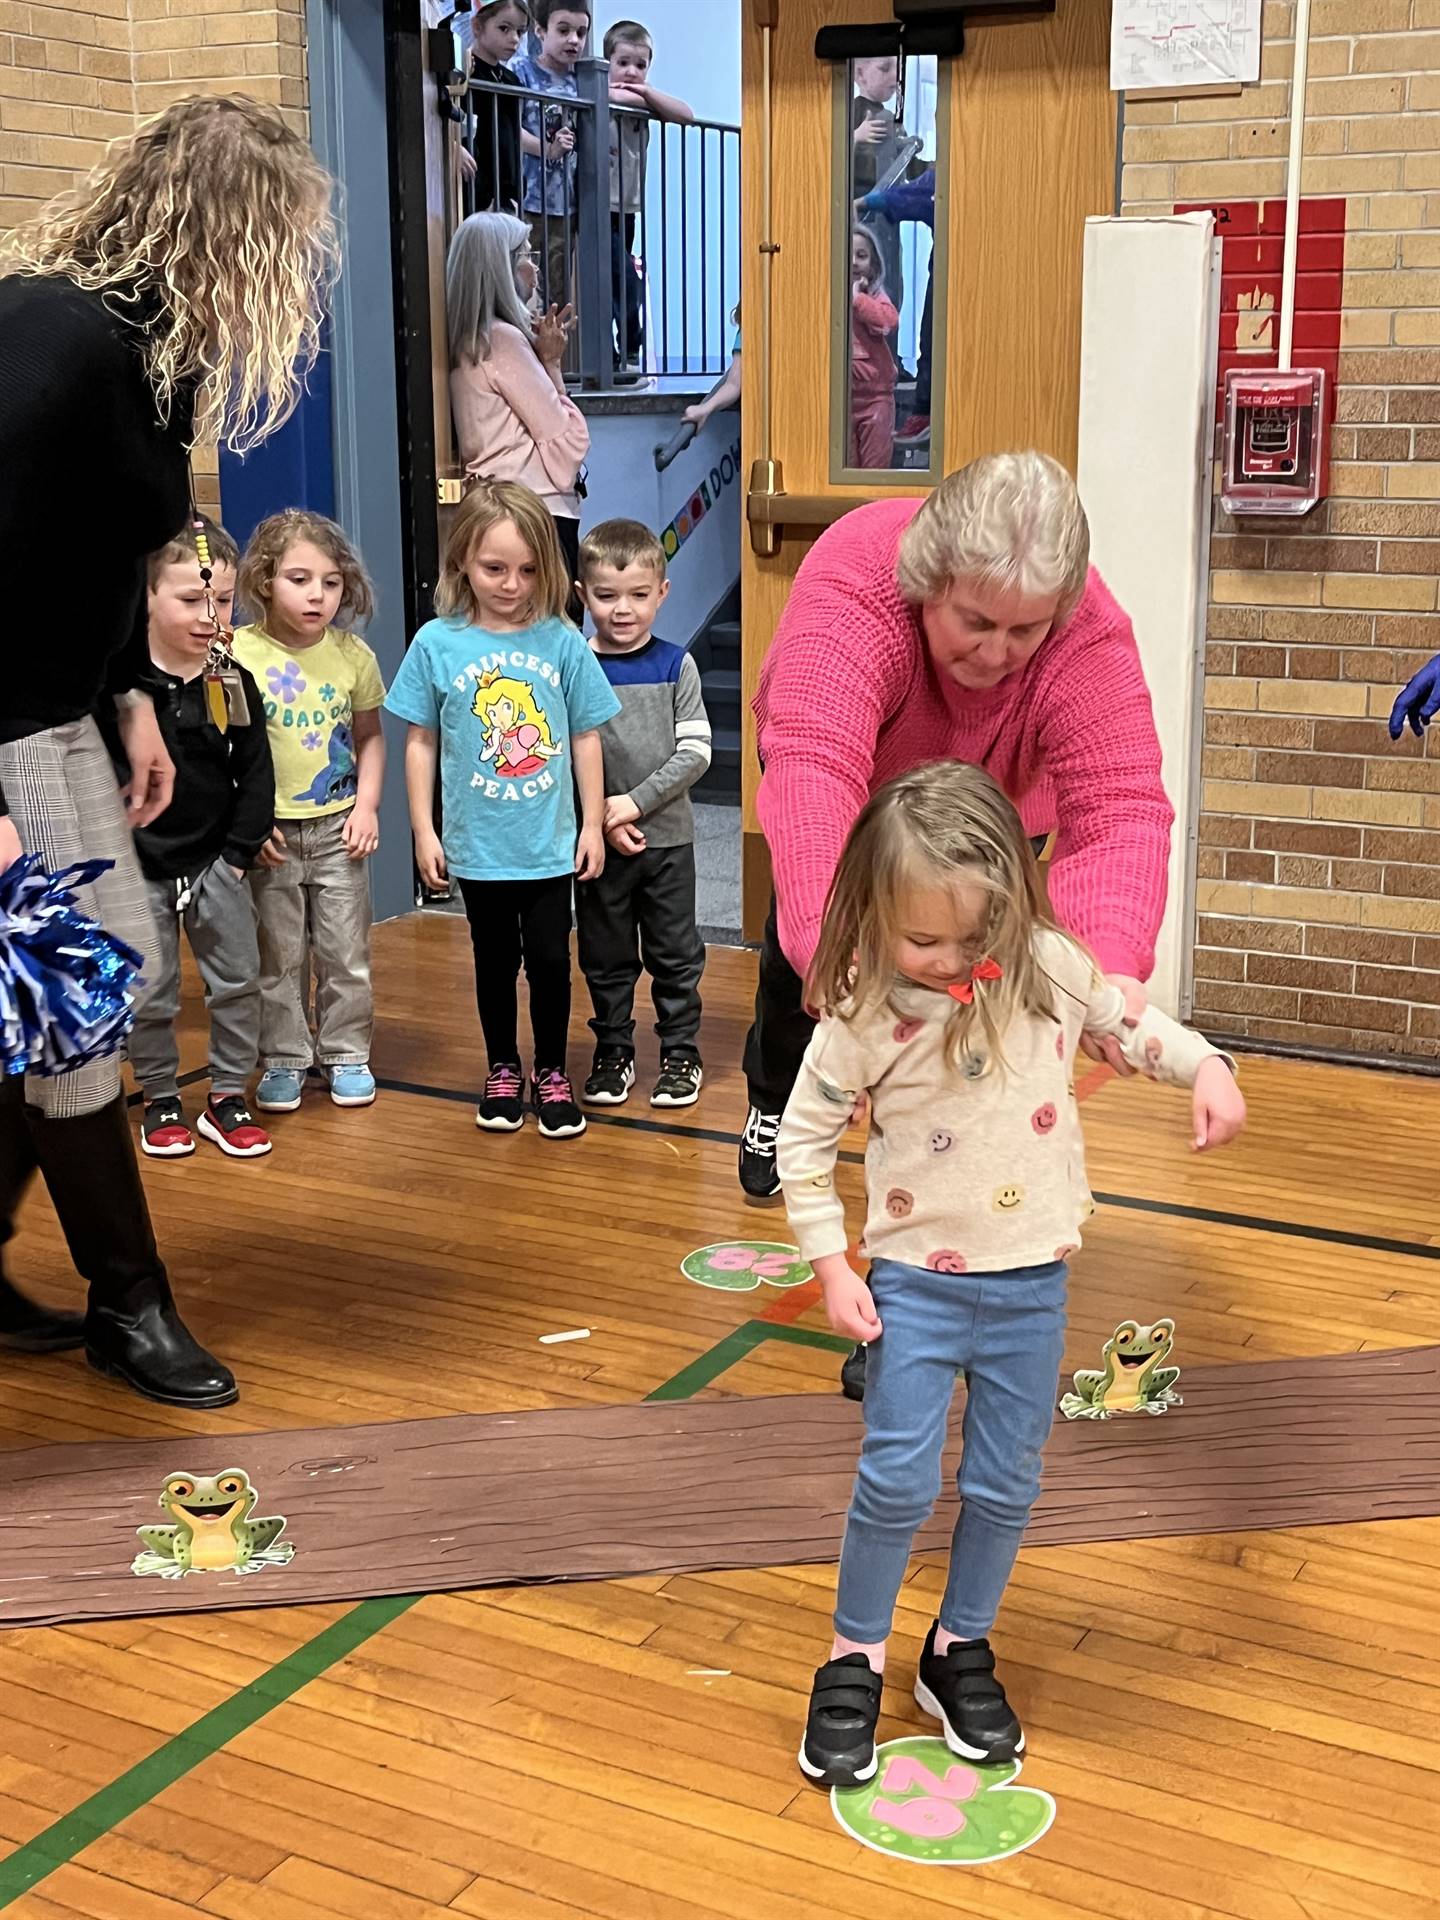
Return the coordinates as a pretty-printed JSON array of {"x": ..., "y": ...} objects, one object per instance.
[{"x": 1254, "y": 1223}]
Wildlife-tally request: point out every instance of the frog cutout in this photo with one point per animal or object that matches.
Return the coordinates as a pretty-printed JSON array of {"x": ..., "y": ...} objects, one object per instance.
[
  {"x": 1131, "y": 1377},
  {"x": 925, "y": 1807},
  {"x": 212, "y": 1529},
  {"x": 740, "y": 1266}
]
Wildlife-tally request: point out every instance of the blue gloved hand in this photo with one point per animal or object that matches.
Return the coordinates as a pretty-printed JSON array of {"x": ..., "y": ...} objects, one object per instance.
[{"x": 1419, "y": 703}]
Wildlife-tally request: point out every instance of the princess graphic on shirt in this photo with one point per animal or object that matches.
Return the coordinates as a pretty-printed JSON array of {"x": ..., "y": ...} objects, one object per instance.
[{"x": 518, "y": 740}]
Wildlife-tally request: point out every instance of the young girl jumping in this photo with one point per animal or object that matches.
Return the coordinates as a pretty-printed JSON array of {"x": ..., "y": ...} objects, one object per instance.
[
  {"x": 949, "y": 996},
  {"x": 506, "y": 698},
  {"x": 873, "y": 324},
  {"x": 322, "y": 691}
]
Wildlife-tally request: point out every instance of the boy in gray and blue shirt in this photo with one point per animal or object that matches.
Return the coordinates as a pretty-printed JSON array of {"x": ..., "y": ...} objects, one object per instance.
[
  {"x": 547, "y": 141},
  {"x": 641, "y": 911}
]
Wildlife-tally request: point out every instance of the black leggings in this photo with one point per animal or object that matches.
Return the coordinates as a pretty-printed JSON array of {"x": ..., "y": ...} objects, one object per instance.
[{"x": 511, "y": 920}]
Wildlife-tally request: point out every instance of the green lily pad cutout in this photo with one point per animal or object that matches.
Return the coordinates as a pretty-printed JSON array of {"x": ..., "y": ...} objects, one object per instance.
[
  {"x": 740, "y": 1266},
  {"x": 925, "y": 1805}
]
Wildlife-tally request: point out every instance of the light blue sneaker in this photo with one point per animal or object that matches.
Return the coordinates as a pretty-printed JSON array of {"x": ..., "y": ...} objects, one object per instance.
[
  {"x": 279, "y": 1090},
  {"x": 352, "y": 1086}
]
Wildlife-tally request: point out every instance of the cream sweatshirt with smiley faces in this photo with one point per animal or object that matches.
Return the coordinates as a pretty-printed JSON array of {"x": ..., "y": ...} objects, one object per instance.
[{"x": 969, "y": 1168}]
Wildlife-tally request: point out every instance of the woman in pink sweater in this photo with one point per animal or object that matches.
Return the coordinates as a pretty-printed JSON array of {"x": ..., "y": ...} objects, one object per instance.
[
  {"x": 513, "y": 417},
  {"x": 966, "y": 626}
]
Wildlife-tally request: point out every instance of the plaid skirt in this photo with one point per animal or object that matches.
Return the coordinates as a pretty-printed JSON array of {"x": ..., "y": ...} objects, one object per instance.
[{"x": 63, "y": 795}]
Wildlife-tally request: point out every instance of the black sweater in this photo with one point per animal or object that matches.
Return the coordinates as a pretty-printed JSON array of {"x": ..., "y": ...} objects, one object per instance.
[
  {"x": 224, "y": 804},
  {"x": 90, "y": 484},
  {"x": 497, "y": 139}
]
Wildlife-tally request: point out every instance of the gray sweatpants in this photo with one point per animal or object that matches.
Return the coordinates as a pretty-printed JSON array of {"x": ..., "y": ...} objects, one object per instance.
[
  {"x": 220, "y": 925},
  {"x": 315, "y": 914}
]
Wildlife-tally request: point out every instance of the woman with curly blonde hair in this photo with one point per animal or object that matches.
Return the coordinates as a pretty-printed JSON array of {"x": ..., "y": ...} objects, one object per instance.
[{"x": 173, "y": 296}]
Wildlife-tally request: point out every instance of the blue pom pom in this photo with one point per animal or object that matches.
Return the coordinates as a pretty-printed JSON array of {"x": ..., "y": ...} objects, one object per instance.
[{"x": 65, "y": 983}]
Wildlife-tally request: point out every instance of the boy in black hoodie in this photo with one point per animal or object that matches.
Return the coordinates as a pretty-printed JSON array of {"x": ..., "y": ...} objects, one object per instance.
[{"x": 195, "y": 857}]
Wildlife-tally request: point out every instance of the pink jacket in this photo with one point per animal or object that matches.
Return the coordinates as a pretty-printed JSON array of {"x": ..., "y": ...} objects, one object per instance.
[
  {"x": 512, "y": 424},
  {"x": 849, "y": 699},
  {"x": 872, "y": 364}
]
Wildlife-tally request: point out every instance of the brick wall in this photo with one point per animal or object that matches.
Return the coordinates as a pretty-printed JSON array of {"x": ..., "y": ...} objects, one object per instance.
[{"x": 1319, "y": 865}]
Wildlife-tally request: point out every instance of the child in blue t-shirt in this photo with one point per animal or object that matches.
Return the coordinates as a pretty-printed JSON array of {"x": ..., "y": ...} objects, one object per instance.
[{"x": 503, "y": 694}]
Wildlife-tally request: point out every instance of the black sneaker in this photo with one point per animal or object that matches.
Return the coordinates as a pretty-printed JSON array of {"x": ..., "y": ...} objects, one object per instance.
[
  {"x": 233, "y": 1128},
  {"x": 758, "y": 1173},
  {"x": 502, "y": 1104},
  {"x": 852, "y": 1374},
  {"x": 839, "y": 1745},
  {"x": 612, "y": 1074},
  {"x": 960, "y": 1689},
  {"x": 680, "y": 1081},
  {"x": 163, "y": 1132},
  {"x": 555, "y": 1107}
]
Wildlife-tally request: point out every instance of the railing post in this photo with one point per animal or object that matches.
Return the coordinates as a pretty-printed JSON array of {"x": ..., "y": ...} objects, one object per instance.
[{"x": 592, "y": 288}]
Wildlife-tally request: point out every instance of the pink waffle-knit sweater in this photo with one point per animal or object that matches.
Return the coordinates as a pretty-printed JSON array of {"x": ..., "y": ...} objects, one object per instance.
[{"x": 849, "y": 699}]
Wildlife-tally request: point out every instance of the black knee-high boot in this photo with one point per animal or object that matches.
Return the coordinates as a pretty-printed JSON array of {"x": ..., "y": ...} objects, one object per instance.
[
  {"x": 24, "y": 1327},
  {"x": 132, "y": 1330}
]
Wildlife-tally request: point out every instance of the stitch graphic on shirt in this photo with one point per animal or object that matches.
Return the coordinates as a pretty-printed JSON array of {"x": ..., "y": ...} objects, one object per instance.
[
  {"x": 518, "y": 740},
  {"x": 337, "y": 778}
]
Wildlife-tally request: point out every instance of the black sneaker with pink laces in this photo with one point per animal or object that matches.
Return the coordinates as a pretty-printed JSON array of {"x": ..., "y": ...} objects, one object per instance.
[
  {"x": 555, "y": 1107},
  {"x": 502, "y": 1105}
]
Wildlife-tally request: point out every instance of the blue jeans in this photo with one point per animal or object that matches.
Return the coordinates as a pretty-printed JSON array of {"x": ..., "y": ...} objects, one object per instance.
[{"x": 1006, "y": 1333}]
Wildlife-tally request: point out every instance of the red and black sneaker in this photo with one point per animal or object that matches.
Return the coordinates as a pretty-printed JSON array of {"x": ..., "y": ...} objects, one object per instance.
[
  {"x": 556, "y": 1113},
  {"x": 163, "y": 1132},
  {"x": 229, "y": 1122}
]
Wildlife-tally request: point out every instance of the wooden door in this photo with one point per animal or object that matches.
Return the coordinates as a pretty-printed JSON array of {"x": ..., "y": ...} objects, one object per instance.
[{"x": 1032, "y": 154}]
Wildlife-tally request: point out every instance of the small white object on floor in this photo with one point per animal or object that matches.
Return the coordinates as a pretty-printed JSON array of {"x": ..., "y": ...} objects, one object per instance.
[
  {"x": 708, "y": 1673},
  {"x": 554, "y": 1339}
]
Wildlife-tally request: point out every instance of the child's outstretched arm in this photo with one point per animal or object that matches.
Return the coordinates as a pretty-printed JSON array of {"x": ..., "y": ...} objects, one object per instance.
[
  {"x": 422, "y": 752},
  {"x": 833, "y": 1076},
  {"x": 1162, "y": 1049}
]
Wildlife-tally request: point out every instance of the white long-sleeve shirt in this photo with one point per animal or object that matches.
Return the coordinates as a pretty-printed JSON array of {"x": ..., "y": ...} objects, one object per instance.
[{"x": 969, "y": 1167}]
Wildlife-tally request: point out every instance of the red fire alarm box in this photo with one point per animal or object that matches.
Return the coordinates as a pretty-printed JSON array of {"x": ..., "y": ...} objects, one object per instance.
[{"x": 1274, "y": 447}]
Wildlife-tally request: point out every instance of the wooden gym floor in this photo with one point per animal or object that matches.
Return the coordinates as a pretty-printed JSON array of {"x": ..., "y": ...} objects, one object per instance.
[{"x": 1235, "y": 1725}]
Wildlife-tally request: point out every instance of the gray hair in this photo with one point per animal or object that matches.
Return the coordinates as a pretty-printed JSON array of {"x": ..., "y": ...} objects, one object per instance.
[
  {"x": 480, "y": 283},
  {"x": 1009, "y": 519}
]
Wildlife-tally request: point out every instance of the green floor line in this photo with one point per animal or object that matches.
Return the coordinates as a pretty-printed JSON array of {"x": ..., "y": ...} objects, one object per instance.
[
  {"x": 68, "y": 1836},
  {"x": 104, "y": 1811}
]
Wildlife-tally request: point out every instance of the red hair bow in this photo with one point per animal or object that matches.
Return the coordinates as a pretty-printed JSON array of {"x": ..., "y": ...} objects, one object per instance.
[{"x": 964, "y": 990}]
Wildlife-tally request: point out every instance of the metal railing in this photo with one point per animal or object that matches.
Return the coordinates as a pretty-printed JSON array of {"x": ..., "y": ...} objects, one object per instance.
[{"x": 643, "y": 236}]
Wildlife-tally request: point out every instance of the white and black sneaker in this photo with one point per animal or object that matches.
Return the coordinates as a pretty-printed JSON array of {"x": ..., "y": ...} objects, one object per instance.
[
  {"x": 839, "y": 1745},
  {"x": 759, "y": 1175},
  {"x": 681, "y": 1078},
  {"x": 612, "y": 1074},
  {"x": 960, "y": 1689}
]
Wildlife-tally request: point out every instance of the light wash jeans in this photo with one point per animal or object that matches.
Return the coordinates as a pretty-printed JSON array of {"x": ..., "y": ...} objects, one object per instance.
[
  {"x": 219, "y": 923},
  {"x": 1006, "y": 1333},
  {"x": 315, "y": 914}
]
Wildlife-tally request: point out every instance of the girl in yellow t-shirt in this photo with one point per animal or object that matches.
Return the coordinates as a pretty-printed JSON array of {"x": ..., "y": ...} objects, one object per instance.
[{"x": 322, "y": 691}]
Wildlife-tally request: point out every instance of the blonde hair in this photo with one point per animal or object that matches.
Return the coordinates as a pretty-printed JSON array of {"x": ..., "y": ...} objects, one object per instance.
[
  {"x": 875, "y": 272},
  {"x": 943, "y": 825},
  {"x": 487, "y": 504},
  {"x": 621, "y": 544},
  {"x": 494, "y": 687},
  {"x": 273, "y": 539},
  {"x": 217, "y": 213},
  {"x": 1011, "y": 520},
  {"x": 223, "y": 550}
]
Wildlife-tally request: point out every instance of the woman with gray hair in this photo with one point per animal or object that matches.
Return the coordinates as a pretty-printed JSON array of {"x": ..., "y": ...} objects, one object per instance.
[
  {"x": 513, "y": 417},
  {"x": 966, "y": 626}
]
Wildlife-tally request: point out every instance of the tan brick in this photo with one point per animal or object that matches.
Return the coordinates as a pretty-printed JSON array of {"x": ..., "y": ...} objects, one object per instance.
[
  {"x": 1345, "y": 98},
  {"x": 1248, "y": 797},
  {"x": 1327, "y": 57},
  {"x": 1410, "y": 916},
  {"x": 1310, "y": 696},
  {"x": 1230, "y": 695},
  {"x": 1415, "y": 330},
  {"x": 1261, "y": 179},
  {"x": 1360, "y": 403},
  {"x": 1365, "y": 327},
  {"x": 1288, "y": 970},
  {"x": 1396, "y": 289},
  {"x": 1147, "y": 184},
  {"x": 167, "y": 34},
  {"x": 1222, "y": 896},
  {"x": 1270, "y": 139},
  {"x": 1161, "y": 113},
  {"x": 1306, "y": 903},
  {"x": 1252, "y": 103},
  {"x": 1264, "y": 589},
  {"x": 1221, "y": 830},
  {"x": 1416, "y": 250},
  {"x": 1409, "y": 133},
  {"x": 1257, "y": 730},
  {"x": 1397, "y": 591},
  {"x": 1229, "y": 763},
  {"x": 1365, "y": 173},
  {"x": 1262, "y": 937},
  {"x": 1380, "y": 252},
  {"x": 1367, "y": 809},
  {"x": 1146, "y": 145},
  {"x": 1217, "y": 997},
  {"x": 1356, "y": 480},
  {"x": 1420, "y": 170},
  {"x": 1308, "y": 629},
  {"x": 1379, "y": 949},
  {"x": 1396, "y": 211},
  {"x": 1417, "y": 480},
  {"x": 1219, "y": 963},
  {"x": 207, "y": 63},
  {"x": 1397, "y": 53},
  {"x": 1320, "y": 839},
  {"x": 1359, "y": 16}
]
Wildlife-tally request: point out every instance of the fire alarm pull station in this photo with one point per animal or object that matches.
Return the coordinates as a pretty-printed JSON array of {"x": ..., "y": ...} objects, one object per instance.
[{"x": 1274, "y": 441}]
